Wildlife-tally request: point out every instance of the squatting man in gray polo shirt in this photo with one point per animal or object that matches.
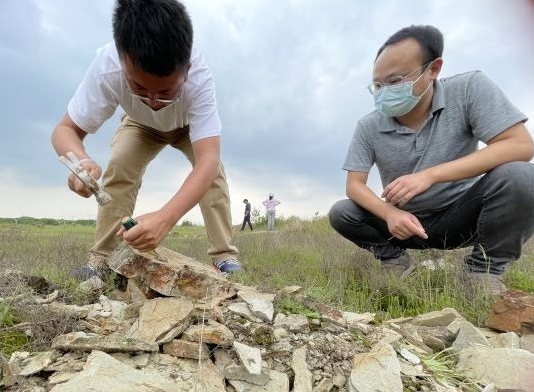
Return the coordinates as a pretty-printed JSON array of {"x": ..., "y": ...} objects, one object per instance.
[{"x": 440, "y": 190}]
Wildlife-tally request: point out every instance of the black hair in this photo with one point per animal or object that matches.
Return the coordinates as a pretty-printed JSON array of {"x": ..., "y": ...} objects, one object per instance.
[
  {"x": 245, "y": 201},
  {"x": 429, "y": 38},
  {"x": 157, "y": 35}
]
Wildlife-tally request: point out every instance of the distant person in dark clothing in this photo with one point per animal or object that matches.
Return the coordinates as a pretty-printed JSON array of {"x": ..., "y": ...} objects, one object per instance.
[{"x": 246, "y": 218}]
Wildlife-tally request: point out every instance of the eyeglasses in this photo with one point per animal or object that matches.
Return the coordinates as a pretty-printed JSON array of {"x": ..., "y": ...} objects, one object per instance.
[
  {"x": 375, "y": 87},
  {"x": 148, "y": 98}
]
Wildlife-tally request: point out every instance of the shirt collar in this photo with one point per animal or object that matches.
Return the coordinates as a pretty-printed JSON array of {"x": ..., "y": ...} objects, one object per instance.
[{"x": 388, "y": 124}]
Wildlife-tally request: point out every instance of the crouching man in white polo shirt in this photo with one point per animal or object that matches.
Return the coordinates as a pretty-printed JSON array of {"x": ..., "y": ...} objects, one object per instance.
[
  {"x": 440, "y": 190},
  {"x": 167, "y": 93}
]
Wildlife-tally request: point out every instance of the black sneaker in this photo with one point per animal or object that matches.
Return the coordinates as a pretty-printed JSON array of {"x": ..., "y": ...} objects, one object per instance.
[
  {"x": 401, "y": 266},
  {"x": 485, "y": 282}
]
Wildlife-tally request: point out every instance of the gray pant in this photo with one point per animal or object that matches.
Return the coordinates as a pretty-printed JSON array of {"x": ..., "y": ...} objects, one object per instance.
[
  {"x": 495, "y": 216},
  {"x": 270, "y": 220}
]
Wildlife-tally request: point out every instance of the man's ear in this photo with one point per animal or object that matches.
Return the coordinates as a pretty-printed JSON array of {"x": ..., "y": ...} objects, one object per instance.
[{"x": 435, "y": 68}]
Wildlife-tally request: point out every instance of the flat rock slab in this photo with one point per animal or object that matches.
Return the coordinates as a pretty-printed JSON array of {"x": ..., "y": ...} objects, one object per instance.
[
  {"x": 79, "y": 341},
  {"x": 159, "y": 316},
  {"x": 169, "y": 273},
  {"x": 514, "y": 312},
  {"x": 376, "y": 371},
  {"x": 104, "y": 373},
  {"x": 184, "y": 349},
  {"x": 510, "y": 369}
]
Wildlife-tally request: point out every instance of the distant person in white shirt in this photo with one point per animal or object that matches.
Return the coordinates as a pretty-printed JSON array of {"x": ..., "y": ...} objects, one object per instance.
[
  {"x": 270, "y": 207},
  {"x": 164, "y": 86}
]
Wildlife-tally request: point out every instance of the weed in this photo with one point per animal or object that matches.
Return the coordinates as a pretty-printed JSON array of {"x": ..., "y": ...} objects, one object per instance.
[
  {"x": 263, "y": 336},
  {"x": 441, "y": 365},
  {"x": 361, "y": 338},
  {"x": 288, "y": 306}
]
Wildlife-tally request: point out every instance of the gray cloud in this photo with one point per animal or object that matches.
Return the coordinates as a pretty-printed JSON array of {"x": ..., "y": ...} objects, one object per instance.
[{"x": 290, "y": 79}]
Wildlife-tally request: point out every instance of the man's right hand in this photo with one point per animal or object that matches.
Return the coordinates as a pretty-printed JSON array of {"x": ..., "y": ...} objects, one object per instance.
[
  {"x": 403, "y": 225},
  {"x": 77, "y": 186}
]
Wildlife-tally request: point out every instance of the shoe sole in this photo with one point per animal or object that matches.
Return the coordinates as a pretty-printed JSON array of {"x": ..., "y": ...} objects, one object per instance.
[{"x": 407, "y": 272}]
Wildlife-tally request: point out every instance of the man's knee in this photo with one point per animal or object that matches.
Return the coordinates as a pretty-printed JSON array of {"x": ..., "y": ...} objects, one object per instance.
[
  {"x": 338, "y": 213},
  {"x": 518, "y": 179}
]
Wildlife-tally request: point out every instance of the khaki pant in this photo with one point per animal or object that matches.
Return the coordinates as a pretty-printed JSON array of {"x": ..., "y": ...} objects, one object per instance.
[{"x": 133, "y": 147}]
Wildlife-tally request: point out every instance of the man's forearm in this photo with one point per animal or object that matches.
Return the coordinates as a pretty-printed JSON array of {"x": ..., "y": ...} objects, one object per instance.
[
  {"x": 366, "y": 198},
  {"x": 65, "y": 139},
  {"x": 484, "y": 160}
]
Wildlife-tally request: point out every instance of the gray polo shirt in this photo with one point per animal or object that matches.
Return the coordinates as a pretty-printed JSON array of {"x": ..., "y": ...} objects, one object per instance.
[{"x": 466, "y": 108}]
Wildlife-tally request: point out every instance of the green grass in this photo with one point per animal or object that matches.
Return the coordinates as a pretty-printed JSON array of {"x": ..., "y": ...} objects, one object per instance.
[
  {"x": 305, "y": 253},
  {"x": 442, "y": 366},
  {"x": 288, "y": 306},
  {"x": 11, "y": 340}
]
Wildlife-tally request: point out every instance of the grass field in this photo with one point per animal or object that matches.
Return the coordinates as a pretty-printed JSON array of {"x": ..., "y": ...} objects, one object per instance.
[{"x": 305, "y": 253}]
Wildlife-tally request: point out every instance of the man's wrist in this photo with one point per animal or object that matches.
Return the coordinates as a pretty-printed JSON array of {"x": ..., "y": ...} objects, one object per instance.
[{"x": 387, "y": 210}]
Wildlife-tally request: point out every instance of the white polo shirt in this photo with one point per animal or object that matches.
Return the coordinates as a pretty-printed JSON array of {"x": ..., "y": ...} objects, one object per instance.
[{"x": 104, "y": 87}]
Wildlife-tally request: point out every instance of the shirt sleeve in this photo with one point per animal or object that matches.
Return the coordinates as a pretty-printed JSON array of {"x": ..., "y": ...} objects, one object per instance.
[
  {"x": 92, "y": 103},
  {"x": 204, "y": 119},
  {"x": 360, "y": 156},
  {"x": 489, "y": 110}
]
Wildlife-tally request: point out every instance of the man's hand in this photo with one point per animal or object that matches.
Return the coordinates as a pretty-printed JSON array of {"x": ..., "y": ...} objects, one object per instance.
[
  {"x": 403, "y": 225},
  {"x": 405, "y": 188},
  {"x": 77, "y": 186},
  {"x": 149, "y": 232}
]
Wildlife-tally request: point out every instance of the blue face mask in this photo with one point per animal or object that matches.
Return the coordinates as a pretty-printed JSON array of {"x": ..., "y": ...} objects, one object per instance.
[{"x": 397, "y": 100}]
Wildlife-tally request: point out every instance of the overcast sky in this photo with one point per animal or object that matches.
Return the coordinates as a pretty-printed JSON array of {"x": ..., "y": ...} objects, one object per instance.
[{"x": 291, "y": 80}]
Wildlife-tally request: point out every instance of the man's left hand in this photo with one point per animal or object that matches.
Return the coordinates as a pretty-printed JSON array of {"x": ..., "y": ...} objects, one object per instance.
[
  {"x": 149, "y": 232},
  {"x": 405, "y": 188}
]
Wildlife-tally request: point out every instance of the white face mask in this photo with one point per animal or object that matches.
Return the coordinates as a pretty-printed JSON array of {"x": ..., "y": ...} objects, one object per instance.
[{"x": 397, "y": 100}]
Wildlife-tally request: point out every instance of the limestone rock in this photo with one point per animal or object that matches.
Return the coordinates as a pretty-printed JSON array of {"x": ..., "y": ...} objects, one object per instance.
[
  {"x": 354, "y": 318},
  {"x": 184, "y": 349},
  {"x": 278, "y": 382},
  {"x": 104, "y": 373},
  {"x": 437, "y": 318},
  {"x": 376, "y": 371},
  {"x": 527, "y": 343},
  {"x": 409, "y": 356},
  {"x": 80, "y": 341},
  {"x": 25, "y": 363},
  {"x": 250, "y": 357},
  {"x": 296, "y": 323},
  {"x": 238, "y": 372},
  {"x": 247, "y": 295},
  {"x": 325, "y": 385},
  {"x": 69, "y": 362},
  {"x": 505, "y": 340},
  {"x": 261, "y": 308},
  {"x": 468, "y": 336},
  {"x": 175, "y": 276},
  {"x": 61, "y": 377},
  {"x": 331, "y": 314},
  {"x": 213, "y": 333},
  {"x": 303, "y": 377},
  {"x": 509, "y": 369},
  {"x": 159, "y": 316},
  {"x": 242, "y": 309}
]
